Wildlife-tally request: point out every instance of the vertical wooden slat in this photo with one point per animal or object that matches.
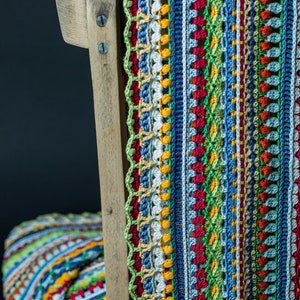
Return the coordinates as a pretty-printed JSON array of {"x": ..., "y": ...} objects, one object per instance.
[
  {"x": 104, "y": 68},
  {"x": 78, "y": 24}
]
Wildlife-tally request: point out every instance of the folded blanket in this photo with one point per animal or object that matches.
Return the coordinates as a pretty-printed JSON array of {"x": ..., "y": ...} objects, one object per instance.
[{"x": 55, "y": 257}]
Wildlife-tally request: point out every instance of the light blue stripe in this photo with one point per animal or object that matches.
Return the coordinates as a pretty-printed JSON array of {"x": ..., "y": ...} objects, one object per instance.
[{"x": 286, "y": 154}]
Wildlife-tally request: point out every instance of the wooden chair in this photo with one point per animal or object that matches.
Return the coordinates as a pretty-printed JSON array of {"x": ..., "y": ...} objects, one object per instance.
[{"x": 94, "y": 24}]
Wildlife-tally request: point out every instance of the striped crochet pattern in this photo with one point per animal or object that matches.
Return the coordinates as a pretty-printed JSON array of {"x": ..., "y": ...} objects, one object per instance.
[
  {"x": 214, "y": 103},
  {"x": 55, "y": 257}
]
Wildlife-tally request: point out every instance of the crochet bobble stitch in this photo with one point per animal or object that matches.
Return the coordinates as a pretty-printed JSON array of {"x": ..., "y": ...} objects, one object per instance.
[
  {"x": 198, "y": 34},
  {"x": 194, "y": 169},
  {"x": 161, "y": 153},
  {"x": 268, "y": 44},
  {"x": 286, "y": 132}
]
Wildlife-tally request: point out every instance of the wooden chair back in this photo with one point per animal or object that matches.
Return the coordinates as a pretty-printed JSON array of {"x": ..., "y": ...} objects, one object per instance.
[{"x": 94, "y": 24}]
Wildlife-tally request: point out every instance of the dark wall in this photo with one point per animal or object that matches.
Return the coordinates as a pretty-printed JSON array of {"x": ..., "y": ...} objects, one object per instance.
[{"x": 48, "y": 159}]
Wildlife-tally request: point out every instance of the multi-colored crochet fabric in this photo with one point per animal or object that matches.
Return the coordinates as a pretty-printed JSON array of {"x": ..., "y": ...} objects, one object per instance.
[
  {"x": 55, "y": 257},
  {"x": 214, "y": 121}
]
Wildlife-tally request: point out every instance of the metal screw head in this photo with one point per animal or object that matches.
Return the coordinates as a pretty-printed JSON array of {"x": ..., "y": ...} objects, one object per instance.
[
  {"x": 101, "y": 20},
  {"x": 103, "y": 48}
]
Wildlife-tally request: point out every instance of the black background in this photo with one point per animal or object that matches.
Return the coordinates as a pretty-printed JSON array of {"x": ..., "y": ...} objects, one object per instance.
[{"x": 48, "y": 155}]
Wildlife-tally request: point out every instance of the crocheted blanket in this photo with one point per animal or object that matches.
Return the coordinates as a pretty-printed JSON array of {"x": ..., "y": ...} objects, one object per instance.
[
  {"x": 214, "y": 118},
  {"x": 55, "y": 257},
  {"x": 213, "y": 95}
]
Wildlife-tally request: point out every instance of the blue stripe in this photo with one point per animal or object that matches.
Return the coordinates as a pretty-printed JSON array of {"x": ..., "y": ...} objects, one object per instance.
[
  {"x": 177, "y": 127},
  {"x": 145, "y": 123},
  {"x": 285, "y": 124}
]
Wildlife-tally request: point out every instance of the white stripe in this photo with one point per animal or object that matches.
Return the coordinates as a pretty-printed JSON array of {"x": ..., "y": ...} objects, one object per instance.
[
  {"x": 156, "y": 150},
  {"x": 184, "y": 134}
]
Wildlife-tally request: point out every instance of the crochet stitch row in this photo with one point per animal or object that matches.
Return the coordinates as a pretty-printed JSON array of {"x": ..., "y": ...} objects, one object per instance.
[{"x": 150, "y": 235}]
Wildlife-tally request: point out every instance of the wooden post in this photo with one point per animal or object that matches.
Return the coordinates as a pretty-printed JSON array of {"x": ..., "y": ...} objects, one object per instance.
[{"x": 79, "y": 27}]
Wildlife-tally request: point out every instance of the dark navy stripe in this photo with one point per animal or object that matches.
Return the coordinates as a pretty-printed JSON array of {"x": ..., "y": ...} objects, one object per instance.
[{"x": 177, "y": 127}]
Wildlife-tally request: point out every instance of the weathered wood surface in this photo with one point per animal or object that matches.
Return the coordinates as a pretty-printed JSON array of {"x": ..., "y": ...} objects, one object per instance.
[
  {"x": 73, "y": 22},
  {"x": 110, "y": 122}
]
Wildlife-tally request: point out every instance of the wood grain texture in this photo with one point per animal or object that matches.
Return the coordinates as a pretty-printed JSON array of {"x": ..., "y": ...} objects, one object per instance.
[
  {"x": 73, "y": 22},
  {"x": 78, "y": 24},
  {"x": 105, "y": 75}
]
